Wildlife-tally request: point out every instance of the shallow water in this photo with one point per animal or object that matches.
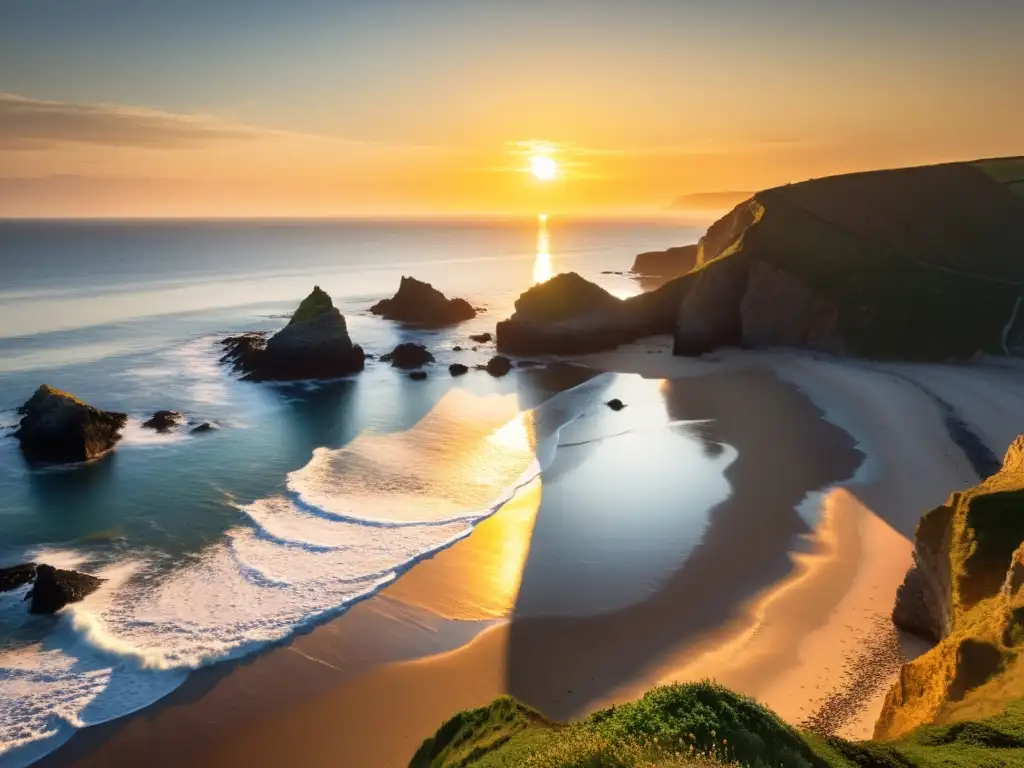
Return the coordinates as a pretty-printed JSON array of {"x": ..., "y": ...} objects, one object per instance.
[{"x": 306, "y": 497}]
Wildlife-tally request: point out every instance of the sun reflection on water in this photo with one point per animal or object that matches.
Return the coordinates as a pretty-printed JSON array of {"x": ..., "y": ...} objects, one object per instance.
[{"x": 542, "y": 269}]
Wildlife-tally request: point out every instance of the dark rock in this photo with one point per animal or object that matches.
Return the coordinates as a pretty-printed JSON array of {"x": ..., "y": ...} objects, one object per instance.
[
  {"x": 481, "y": 338},
  {"x": 709, "y": 316},
  {"x": 499, "y": 365},
  {"x": 314, "y": 345},
  {"x": 669, "y": 263},
  {"x": 458, "y": 369},
  {"x": 569, "y": 315},
  {"x": 16, "y": 576},
  {"x": 420, "y": 303},
  {"x": 54, "y": 588},
  {"x": 58, "y": 428},
  {"x": 456, "y": 348},
  {"x": 615, "y": 404},
  {"x": 163, "y": 421},
  {"x": 418, "y": 375},
  {"x": 202, "y": 428},
  {"x": 408, "y": 355}
]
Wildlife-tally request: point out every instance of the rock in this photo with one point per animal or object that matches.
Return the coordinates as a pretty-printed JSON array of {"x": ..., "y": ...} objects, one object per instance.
[
  {"x": 314, "y": 345},
  {"x": 54, "y": 588},
  {"x": 669, "y": 263},
  {"x": 498, "y": 366},
  {"x": 456, "y": 348},
  {"x": 408, "y": 355},
  {"x": 481, "y": 338},
  {"x": 58, "y": 428},
  {"x": 418, "y": 375},
  {"x": 778, "y": 309},
  {"x": 163, "y": 421},
  {"x": 709, "y": 315},
  {"x": 202, "y": 428},
  {"x": 569, "y": 315},
  {"x": 16, "y": 576},
  {"x": 420, "y": 303},
  {"x": 458, "y": 369},
  {"x": 615, "y": 404}
]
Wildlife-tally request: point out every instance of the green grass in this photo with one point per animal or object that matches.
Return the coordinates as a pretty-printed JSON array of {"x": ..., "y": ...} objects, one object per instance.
[
  {"x": 703, "y": 725},
  {"x": 318, "y": 301}
]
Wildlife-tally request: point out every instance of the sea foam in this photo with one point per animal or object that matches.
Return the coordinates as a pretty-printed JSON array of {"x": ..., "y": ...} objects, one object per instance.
[{"x": 343, "y": 526}]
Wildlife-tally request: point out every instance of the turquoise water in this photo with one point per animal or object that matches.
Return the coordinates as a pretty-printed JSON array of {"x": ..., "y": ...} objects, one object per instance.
[{"x": 307, "y": 496}]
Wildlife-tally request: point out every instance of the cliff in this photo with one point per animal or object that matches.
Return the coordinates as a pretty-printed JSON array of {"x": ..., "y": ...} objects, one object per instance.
[
  {"x": 965, "y": 592},
  {"x": 914, "y": 263}
]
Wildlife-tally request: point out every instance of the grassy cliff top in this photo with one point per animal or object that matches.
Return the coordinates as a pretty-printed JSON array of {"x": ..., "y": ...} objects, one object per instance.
[{"x": 702, "y": 725}]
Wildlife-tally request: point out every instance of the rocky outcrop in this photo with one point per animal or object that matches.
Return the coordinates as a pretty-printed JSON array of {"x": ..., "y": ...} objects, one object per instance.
[
  {"x": 963, "y": 592},
  {"x": 570, "y": 315},
  {"x": 58, "y": 428},
  {"x": 408, "y": 356},
  {"x": 481, "y": 338},
  {"x": 314, "y": 345},
  {"x": 419, "y": 303},
  {"x": 906, "y": 264},
  {"x": 458, "y": 369},
  {"x": 52, "y": 588},
  {"x": 163, "y": 421},
  {"x": 202, "y": 428},
  {"x": 672, "y": 262}
]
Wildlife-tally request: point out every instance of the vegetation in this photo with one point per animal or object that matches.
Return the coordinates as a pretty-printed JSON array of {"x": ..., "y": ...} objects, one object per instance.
[
  {"x": 318, "y": 301},
  {"x": 704, "y": 726},
  {"x": 975, "y": 544}
]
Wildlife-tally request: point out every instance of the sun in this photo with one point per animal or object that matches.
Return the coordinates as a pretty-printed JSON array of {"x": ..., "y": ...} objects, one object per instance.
[{"x": 543, "y": 167}]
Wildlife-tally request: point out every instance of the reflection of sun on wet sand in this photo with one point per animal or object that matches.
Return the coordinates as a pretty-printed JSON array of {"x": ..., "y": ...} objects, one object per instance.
[{"x": 784, "y": 595}]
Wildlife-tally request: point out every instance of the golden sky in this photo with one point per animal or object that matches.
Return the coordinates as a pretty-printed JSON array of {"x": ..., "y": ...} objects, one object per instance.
[{"x": 401, "y": 108}]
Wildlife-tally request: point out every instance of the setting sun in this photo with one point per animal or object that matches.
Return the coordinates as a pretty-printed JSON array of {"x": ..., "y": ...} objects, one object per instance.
[{"x": 543, "y": 167}]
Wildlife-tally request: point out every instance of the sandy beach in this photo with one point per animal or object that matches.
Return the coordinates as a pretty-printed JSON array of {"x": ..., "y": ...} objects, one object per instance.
[{"x": 586, "y": 589}]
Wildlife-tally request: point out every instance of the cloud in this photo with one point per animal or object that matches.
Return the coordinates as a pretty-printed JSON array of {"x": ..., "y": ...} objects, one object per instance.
[{"x": 32, "y": 124}]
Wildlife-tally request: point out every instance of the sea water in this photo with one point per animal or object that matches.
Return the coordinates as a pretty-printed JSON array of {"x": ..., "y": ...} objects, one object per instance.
[{"x": 305, "y": 497}]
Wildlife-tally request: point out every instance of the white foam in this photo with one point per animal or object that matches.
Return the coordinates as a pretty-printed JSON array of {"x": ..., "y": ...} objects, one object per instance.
[{"x": 350, "y": 521}]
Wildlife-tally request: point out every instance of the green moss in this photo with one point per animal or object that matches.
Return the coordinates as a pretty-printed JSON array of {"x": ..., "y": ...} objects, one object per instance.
[
  {"x": 703, "y": 724},
  {"x": 318, "y": 301}
]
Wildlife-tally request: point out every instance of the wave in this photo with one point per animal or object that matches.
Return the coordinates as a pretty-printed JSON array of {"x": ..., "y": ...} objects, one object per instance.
[{"x": 346, "y": 524}]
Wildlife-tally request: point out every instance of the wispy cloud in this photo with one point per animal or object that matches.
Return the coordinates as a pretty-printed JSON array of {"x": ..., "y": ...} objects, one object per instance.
[{"x": 33, "y": 123}]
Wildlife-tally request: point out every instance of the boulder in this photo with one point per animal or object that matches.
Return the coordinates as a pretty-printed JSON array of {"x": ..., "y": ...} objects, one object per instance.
[
  {"x": 202, "y": 428},
  {"x": 408, "y": 355},
  {"x": 163, "y": 421},
  {"x": 418, "y": 375},
  {"x": 55, "y": 587},
  {"x": 314, "y": 345},
  {"x": 499, "y": 366},
  {"x": 481, "y": 338},
  {"x": 458, "y": 369},
  {"x": 419, "y": 303},
  {"x": 669, "y": 263},
  {"x": 16, "y": 576},
  {"x": 58, "y": 428},
  {"x": 615, "y": 404}
]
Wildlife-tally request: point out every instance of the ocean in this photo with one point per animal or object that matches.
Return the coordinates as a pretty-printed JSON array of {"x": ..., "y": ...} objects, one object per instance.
[{"x": 306, "y": 496}]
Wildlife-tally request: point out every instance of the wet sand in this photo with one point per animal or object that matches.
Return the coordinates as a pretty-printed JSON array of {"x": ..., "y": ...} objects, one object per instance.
[{"x": 785, "y": 594}]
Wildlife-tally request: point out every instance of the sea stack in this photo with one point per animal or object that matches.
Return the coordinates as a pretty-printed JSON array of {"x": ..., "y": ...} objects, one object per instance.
[
  {"x": 314, "y": 345},
  {"x": 58, "y": 428},
  {"x": 419, "y": 303}
]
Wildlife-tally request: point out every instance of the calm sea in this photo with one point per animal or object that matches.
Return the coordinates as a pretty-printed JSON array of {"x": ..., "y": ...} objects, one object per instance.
[{"x": 306, "y": 496}]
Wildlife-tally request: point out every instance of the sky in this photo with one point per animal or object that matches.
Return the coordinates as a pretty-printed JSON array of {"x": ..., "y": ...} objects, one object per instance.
[{"x": 115, "y": 108}]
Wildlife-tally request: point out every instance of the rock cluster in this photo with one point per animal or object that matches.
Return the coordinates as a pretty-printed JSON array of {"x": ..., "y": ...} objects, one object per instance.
[
  {"x": 52, "y": 588},
  {"x": 408, "y": 356},
  {"x": 314, "y": 345}
]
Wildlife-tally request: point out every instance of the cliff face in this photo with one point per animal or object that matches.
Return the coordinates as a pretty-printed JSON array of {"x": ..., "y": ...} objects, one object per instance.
[
  {"x": 917, "y": 263},
  {"x": 965, "y": 592}
]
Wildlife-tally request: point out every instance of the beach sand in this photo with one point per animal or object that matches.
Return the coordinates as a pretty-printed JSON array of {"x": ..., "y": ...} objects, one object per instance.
[{"x": 785, "y": 594}]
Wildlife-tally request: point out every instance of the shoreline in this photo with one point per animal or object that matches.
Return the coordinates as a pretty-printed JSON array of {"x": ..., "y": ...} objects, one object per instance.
[{"x": 464, "y": 626}]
